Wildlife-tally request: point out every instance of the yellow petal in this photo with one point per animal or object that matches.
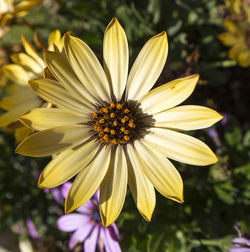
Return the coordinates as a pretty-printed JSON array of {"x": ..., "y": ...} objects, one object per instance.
[
  {"x": 88, "y": 180},
  {"x": 160, "y": 172},
  {"x": 55, "y": 39},
  {"x": 52, "y": 92},
  {"x": 236, "y": 50},
  {"x": 141, "y": 188},
  {"x": 180, "y": 147},
  {"x": 87, "y": 67},
  {"x": 27, "y": 62},
  {"x": 46, "y": 118},
  {"x": 244, "y": 58},
  {"x": 113, "y": 188},
  {"x": 31, "y": 51},
  {"x": 18, "y": 74},
  {"x": 21, "y": 133},
  {"x": 187, "y": 118},
  {"x": 67, "y": 164},
  {"x": 115, "y": 55},
  {"x": 13, "y": 114},
  {"x": 147, "y": 67},
  {"x": 169, "y": 94},
  {"x": 52, "y": 141},
  {"x": 61, "y": 69},
  {"x": 25, "y": 5},
  {"x": 228, "y": 38},
  {"x": 24, "y": 96}
]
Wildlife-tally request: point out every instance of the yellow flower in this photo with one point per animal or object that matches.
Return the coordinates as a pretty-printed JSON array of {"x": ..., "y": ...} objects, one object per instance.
[
  {"x": 110, "y": 129},
  {"x": 11, "y": 8},
  {"x": 237, "y": 37},
  {"x": 21, "y": 99},
  {"x": 239, "y": 7}
]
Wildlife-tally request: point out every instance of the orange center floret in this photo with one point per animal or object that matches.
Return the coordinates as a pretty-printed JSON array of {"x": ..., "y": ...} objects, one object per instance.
[{"x": 114, "y": 123}]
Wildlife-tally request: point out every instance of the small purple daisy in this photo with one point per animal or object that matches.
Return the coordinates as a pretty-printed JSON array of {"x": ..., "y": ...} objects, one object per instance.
[{"x": 87, "y": 227}]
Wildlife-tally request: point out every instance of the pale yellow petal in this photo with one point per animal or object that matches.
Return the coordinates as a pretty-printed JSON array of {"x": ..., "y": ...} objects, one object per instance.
[
  {"x": 141, "y": 188},
  {"x": 113, "y": 188},
  {"x": 55, "y": 39},
  {"x": 169, "y": 94},
  {"x": 160, "y": 172},
  {"x": 27, "y": 62},
  {"x": 52, "y": 92},
  {"x": 13, "y": 114},
  {"x": 147, "y": 67},
  {"x": 31, "y": 51},
  {"x": 67, "y": 164},
  {"x": 46, "y": 118},
  {"x": 187, "y": 117},
  {"x": 180, "y": 147},
  {"x": 52, "y": 141},
  {"x": 116, "y": 57},
  {"x": 25, "y": 5},
  {"x": 18, "y": 99},
  {"x": 18, "y": 74},
  {"x": 62, "y": 71},
  {"x": 21, "y": 133},
  {"x": 88, "y": 180},
  {"x": 87, "y": 67}
]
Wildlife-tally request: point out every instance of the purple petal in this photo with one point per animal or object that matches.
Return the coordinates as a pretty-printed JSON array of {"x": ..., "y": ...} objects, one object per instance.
[
  {"x": 96, "y": 195},
  {"x": 32, "y": 229},
  {"x": 239, "y": 249},
  {"x": 65, "y": 189},
  {"x": 85, "y": 209},
  {"x": 110, "y": 244},
  {"x": 114, "y": 232},
  {"x": 242, "y": 241},
  {"x": 36, "y": 175},
  {"x": 71, "y": 222},
  {"x": 91, "y": 241},
  {"x": 57, "y": 195},
  {"x": 80, "y": 235}
]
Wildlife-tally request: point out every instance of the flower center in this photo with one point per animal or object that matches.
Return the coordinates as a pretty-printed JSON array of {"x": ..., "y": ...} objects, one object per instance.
[
  {"x": 118, "y": 123},
  {"x": 95, "y": 216}
]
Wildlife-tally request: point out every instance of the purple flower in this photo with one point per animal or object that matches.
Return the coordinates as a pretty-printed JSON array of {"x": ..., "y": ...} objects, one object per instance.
[
  {"x": 87, "y": 227},
  {"x": 32, "y": 229},
  {"x": 241, "y": 244},
  {"x": 56, "y": 191}
]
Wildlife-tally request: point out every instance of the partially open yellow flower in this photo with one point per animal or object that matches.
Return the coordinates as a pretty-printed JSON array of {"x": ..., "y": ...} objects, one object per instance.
[
  {"x": 21, "y": 99},
  {"x": 12, "y": 8},
  {"x": 239, "y": 7},
  {"x": 237, "y": 37},
  {"x": 109, "y": 129}
]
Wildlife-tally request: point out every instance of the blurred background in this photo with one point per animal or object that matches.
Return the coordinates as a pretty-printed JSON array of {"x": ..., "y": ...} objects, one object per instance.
[{"x": 209, "y": 37}]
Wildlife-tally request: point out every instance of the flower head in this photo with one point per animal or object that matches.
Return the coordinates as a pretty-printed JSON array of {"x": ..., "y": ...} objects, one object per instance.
[
  {"x": 110, "y": 130},
  {"x": 237, "y": 37},
  {"x": 87, "y": 226},
  {"x": 12, "y": 8},
  {"x": 21, "y": 99}
]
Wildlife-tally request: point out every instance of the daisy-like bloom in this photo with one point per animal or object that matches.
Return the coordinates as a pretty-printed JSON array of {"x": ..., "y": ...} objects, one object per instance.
[
  {"x": 239, "y": 7},
  {"x": 14, "y": 8},
  {"x": 237, "y": 37},
  {"x": 87, "y": 227},
  {"x": 110, "y": 129},
  {"x": 21, "y": 99}
]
